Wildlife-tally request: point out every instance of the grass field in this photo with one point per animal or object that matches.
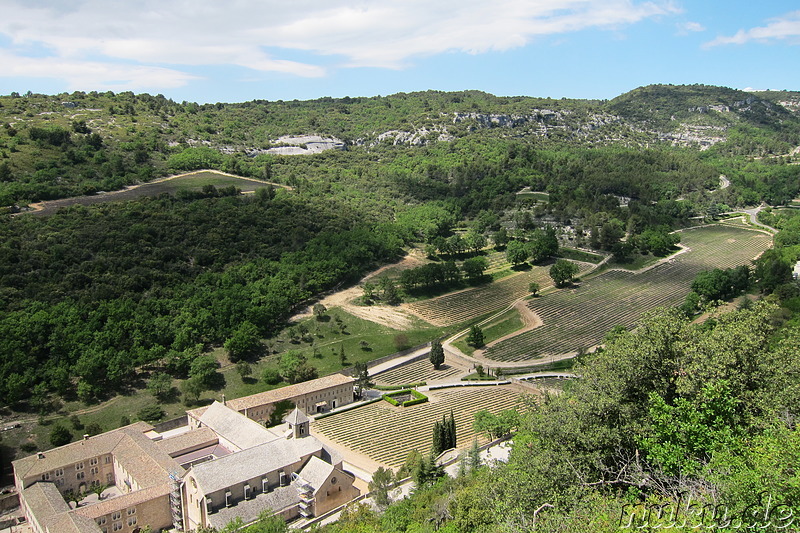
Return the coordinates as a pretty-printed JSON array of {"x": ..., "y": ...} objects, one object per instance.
[
  {"x": 580, "y": 317},
  {"x": 194, "y": 181},
  {"x": 387, "y": 434},
  {"x": 469, "y": 304}
]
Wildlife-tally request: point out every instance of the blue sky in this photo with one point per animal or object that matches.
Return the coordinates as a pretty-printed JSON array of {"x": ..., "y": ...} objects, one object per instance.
[{"x": 238, "y": 50}]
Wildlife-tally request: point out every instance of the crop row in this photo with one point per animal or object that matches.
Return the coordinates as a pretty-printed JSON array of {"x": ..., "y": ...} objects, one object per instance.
[
  {"x": 414, "y": 372},
  {"x": 472, "y": 303},
  {"x": 581, "y": 317},
  {"x": 387, "y": 434}
]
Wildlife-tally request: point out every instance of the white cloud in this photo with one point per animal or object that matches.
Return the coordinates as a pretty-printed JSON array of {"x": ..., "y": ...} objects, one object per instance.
[
  {"x": 155, "y": 38},
  {"x": 785, "y": 28},
  {"x": 97, "y": 75},
  {"x": 690, "y": 27}
]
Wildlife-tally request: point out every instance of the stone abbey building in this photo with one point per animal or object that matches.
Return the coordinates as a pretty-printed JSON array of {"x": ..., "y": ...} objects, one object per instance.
[{"x": 223, "y": 464}]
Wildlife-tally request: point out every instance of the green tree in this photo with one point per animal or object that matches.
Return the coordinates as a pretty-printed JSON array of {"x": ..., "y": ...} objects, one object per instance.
[
  {"x": 271, "y": 375},
  {"x": 500, "y": 238},
  {"x": 150, "y": 413},
  {"x": 382, "y": 481},
  {"x": 294, "y": 367},
  {"x": 495, "y": 426},
  {"x": 563, "y": 272},
  {"x": 475, "y": 337},
  {"x": 534, "y": 288},
  {"x": 244, "y": 369},
  {"x": 427, "y": 471},
  {"x": 204, "y": 370},
  {"x": 436, "y": 355},
  {"x": 160, "y": 386},
  {"x": 516, "y": 253},
  {"x": 245, "y": 342},
  {"x": 192, "y": 388},
  {"x": 362, "y": 378},
  {"x": 59, "y": 436},
  {"x": 475, "y": 267},
  {"x": 319, "y": 311}
]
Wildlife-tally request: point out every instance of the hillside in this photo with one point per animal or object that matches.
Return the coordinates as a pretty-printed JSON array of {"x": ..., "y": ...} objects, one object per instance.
[{"x": 80, "y": 143}]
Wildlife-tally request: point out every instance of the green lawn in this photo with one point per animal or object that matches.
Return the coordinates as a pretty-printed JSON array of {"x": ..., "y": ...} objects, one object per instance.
[{"x": 508, "y": 322}]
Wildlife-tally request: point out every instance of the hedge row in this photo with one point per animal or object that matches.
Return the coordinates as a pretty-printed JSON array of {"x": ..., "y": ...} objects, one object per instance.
[{"x": 418, "y": 397}]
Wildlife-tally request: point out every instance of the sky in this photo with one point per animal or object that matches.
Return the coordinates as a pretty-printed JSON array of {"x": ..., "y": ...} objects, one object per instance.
[{"x": 240, "y": 50}]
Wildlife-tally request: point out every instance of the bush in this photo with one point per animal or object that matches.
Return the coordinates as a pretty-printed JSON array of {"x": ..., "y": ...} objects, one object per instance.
[
  {"x": 28, "y": 446},
  {"x": 93, "y": 429},
  {"x": 271, "y": 376},
  {"x": 59, "y": 436},
  {"x": 150, "y": 413}
]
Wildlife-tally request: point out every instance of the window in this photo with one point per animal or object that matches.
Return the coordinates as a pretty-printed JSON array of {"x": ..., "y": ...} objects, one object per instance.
[
  {"x": 110, "y": 478},
  {"x": 59, "y": 472},
  {"x": 80, "y": 475},
  {"x": 264, "y": 485},
  {"x": 108, "y": 459},
  {"x": 46, "y": 476},
  {"x": 93, "y": 461},
  {"x": 132, "y": 521},
  {"x": 94, "y": 470},
  {"x": 209, "y": 506},
  {"x": 59, "y": 482},
  {"x": 116, "y": 515},
  {"x": 101, "y": 521},
  {"x": 132, "y": 511},
  {"x": 227, "y": 498},
  {"x": 79, "y": 466},
  {"x": 333, "y": 480},
  {"x": 247, "y": 492},
  {"x": 116, "y": 526}
]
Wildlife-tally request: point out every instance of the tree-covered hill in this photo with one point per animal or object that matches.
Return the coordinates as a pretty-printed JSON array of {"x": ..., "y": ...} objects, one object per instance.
[{"x": 81, "y": 143}]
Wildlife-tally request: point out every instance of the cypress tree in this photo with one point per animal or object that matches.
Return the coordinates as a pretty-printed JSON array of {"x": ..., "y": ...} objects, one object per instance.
[
  {"x": 452, "y": 430},
  {"x": 438, "y": 443}
]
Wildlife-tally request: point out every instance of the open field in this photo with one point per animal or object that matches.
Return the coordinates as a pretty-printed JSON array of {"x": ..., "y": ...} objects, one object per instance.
[
  {"x": 469, "y": 304},
  {"x": 387, "y": 434},
  {"x": 416, "y": 372},
  {"x": 191, "y": 181},
  {"x": 580, "y": 317}
]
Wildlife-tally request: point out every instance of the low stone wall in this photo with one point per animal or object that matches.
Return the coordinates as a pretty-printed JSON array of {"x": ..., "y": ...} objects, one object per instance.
[{"x": 172, "y": 424}]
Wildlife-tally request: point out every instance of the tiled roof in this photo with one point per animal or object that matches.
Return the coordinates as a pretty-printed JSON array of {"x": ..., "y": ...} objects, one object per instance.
[
  {"x": 287, "y": 393},
  {"x": 185, "y": 442},
  {"x": 235, "y": 427},
  {"x": 315, "y": 472},
  {"x": 73, "y": 523},
  {"x": 247, "y": 464},
  {"x": 124, "y": 501},
  {"x": 249, "y": 510},
  {"x": 75, "y": 452},
  {"x": 296, "y": 417},
  {"x": 44, "y": 499},
  {"x": 48, "y": 506}
]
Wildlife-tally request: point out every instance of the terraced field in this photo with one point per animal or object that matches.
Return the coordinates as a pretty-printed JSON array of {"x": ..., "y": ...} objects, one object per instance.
[
  {"x": 469, "y": 304},
  {"x": 387, "y": 434},
  {"x": 416, "y": 372},
  {"x": 580, "y": 317}
]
